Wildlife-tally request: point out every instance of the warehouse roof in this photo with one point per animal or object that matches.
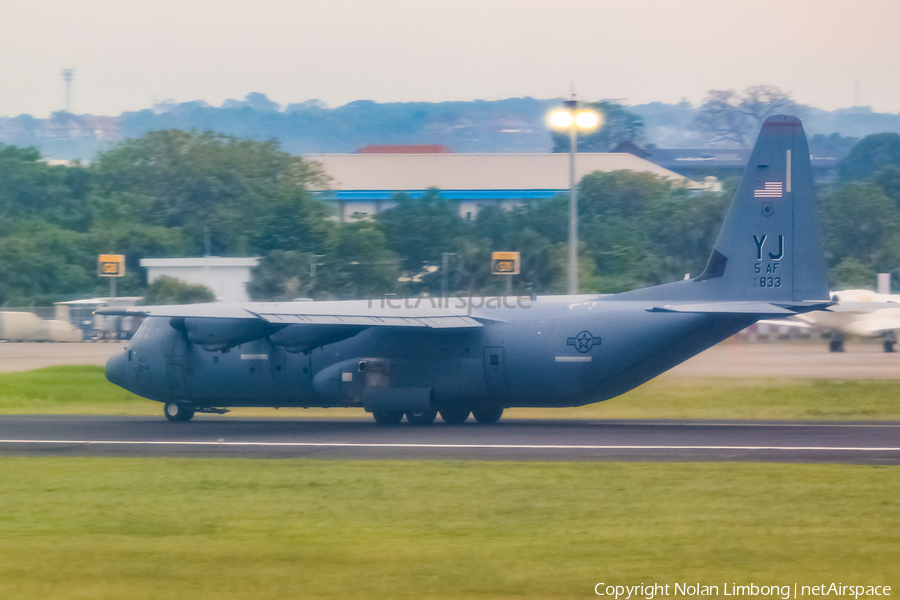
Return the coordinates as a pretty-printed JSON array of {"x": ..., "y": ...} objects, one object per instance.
[{"x": 473, "y": 171}]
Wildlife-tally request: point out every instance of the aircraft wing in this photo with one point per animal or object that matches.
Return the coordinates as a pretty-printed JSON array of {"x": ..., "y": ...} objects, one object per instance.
[
  {"x": 789, "y": 322},
  {"x": 865, "y": 324},
  {"x": 297, "y": 326},
  {"x": 356, "y": 313},
  {"x": 874, "y": 326},
  {"x": 215, "y": 310},
  {"x": 862, "y": 307},
  {"x": 867, "y": 327}
]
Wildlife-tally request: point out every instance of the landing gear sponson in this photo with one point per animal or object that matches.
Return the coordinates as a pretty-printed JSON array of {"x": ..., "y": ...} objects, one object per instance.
[
  {"x": 452, "y": 415},
  {"x": 180, "y": 413}
]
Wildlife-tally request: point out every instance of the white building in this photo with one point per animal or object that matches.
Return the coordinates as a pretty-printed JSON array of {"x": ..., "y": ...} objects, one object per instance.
[
  {"x": 365, "y": 183},
  {"x": 226, "y": 277}
]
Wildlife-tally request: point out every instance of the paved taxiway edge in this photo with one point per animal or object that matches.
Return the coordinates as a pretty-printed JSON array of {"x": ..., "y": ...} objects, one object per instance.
[
  {"x": 521, "y": 440},
  {"x": 445, "y": 446}
]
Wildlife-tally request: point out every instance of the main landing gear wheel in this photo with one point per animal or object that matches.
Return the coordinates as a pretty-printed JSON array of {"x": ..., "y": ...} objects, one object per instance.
[
  {"x": 176, "y": 412},
  {"x": 387, "y": 418},
  {"x": 836, "y": 341},
  {"x": 487, "y": 414},
  {"x": 421, "y": 418},
  {"x": 455, "y": 414}
]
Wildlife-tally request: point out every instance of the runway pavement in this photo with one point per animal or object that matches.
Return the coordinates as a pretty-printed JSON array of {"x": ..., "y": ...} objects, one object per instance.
[{"x": 212, "y": 436}]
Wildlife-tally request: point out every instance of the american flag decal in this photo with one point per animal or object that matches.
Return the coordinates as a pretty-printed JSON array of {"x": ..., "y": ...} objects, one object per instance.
[{"x": 772, "y": 189}]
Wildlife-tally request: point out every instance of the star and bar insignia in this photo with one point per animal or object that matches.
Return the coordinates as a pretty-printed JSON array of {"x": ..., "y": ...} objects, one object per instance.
[{"x": 583, "y": 342}]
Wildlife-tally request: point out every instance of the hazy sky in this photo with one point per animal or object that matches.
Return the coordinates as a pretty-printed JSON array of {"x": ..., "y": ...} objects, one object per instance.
[{"x": 126, "y": 52}]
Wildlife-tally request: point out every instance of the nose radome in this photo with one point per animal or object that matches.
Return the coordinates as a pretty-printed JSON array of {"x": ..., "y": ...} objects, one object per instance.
[{"x": 116, "y": 369}]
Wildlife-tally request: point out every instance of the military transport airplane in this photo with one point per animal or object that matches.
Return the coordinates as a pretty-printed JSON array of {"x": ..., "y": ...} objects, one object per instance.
[{"x": 395, "y": 358}]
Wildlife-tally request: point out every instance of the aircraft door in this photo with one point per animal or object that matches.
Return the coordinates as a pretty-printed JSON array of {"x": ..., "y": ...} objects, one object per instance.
[
  {"x": 494, "y": 371},
  {"x": 177, "y": 386},
  {"x": 278, "y": 364}
]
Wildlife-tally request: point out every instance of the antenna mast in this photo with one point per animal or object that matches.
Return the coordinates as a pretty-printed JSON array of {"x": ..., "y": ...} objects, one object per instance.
[{"x": 67, "y": 75}]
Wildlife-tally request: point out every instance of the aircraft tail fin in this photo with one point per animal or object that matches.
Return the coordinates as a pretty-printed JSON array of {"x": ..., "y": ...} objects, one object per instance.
[{"x": 769, "y": 249}]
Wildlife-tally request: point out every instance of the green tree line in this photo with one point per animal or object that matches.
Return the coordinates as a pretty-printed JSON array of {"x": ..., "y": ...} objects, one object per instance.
[{"x": 175, "y": 193}]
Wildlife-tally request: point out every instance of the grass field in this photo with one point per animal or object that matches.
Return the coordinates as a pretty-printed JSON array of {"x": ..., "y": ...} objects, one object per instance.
[
  {"x": 141, "y": 528},
  {"x": 84, "y": 390},
  {"x": 219, "y": 529}
]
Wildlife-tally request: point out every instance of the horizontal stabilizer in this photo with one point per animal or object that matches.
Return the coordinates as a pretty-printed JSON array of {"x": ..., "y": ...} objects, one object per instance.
[{"x": 743, "y": 308}]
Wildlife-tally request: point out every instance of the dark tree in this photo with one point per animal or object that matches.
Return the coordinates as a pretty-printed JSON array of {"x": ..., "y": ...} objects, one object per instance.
[
  {"x": 282, "y": 276},
  {"x": 620, "y": 193},
  {"x": 870, "y": 155},
  {"x": 863, "y": 224},
  {"x": 218, "y": 188},
  {"x": 30, "y": 188},
  {"x": 831, "y": 146},
  {"x": 421, "y": 229},
  {"x": 168, "y": 290},
  {"x": 727, "y": 117}
]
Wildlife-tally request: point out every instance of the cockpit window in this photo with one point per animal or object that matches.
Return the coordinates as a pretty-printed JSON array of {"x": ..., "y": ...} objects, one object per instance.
[{"x": 147, "y": 328}]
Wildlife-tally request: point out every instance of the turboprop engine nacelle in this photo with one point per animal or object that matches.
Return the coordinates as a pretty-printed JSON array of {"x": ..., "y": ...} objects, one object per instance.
[
  {"x": 220, "y": 334},
  {"x": 300, "y": 338}
]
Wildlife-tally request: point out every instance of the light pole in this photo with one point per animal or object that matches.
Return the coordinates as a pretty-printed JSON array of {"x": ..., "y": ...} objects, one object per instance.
[
  {"x": 445, "y": 267},
  {"x": 573, "y": 119}
]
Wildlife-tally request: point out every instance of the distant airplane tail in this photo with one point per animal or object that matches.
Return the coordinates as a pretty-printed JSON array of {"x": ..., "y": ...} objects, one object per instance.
[{"x": 769, "y": 251}]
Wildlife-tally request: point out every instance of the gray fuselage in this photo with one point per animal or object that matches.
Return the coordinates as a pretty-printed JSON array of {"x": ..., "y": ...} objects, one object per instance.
[{"x": 549, "y": 354}]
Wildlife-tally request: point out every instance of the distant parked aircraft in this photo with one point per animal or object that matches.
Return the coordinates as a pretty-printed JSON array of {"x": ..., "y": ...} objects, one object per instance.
[{"x": 857, "y": 312}]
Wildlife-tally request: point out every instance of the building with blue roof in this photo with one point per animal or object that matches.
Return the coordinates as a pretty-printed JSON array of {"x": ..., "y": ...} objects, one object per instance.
[{"x": 364, "y": 184}]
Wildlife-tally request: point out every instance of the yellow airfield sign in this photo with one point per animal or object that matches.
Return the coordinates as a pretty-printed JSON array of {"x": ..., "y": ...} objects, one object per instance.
[
  {"x": 505, "y": 263},
  {"x": 111, "y": 265}
]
